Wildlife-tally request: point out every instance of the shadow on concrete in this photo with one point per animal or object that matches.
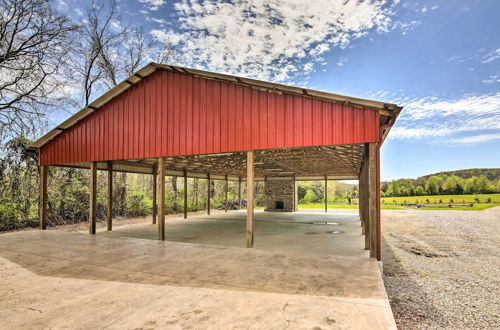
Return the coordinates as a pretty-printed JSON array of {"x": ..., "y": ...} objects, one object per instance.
[{"x": 75, "y": 255}]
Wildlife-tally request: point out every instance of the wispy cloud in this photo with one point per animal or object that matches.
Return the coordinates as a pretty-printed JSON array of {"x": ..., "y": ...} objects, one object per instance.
[
  {"x": 492, "y": 56},
  {"x": 160, "y": 21},
  {"x": 275, "y": 39},
  {"x": 492, "y": 79},
  {"x": 153, "y": 4},
  {"x": 480, "y": 138},
  {"x": 445, "y": 121}
]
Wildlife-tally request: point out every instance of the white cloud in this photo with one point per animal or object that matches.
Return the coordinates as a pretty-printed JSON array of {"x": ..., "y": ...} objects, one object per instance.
[
  {"x": 492, "y": 56},
  {"x": 405, "y": 26},
  {"x": 424, "y": 9},
  {"x": 435, "y": 7},
  {"x": 160, "y": 21},
  {"x": 273, "y": 39},
  {"x": 492, "y": 79},
  {"x": 443, "y": 121},
  {"x": 169, "y": 36},
  {"x": 481, "y": 138},
  {"x": 153, "y": 4}
]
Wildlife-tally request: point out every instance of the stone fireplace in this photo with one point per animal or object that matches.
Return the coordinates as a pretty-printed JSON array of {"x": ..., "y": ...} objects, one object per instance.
[{"x": 279, "y": 194}]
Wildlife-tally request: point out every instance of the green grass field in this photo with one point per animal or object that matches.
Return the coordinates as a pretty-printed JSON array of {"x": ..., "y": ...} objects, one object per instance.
[
  {"x": 438, "y": 202},
  {"x": 457, "y": 199},
  {"x": 345, "y": 206}
]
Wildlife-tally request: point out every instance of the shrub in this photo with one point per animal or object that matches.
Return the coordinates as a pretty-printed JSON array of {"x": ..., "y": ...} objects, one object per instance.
[{"x": 138, "y": 204}]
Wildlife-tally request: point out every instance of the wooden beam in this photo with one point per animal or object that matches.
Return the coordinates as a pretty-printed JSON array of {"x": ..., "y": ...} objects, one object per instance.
[
  {"x": 155, "y": 204},
  {"x": 109, "y": 215},
  {"x": 250, "y": 197},
  {"x": 185, "y": 194},
  {"x": 373, "y": 209},
  {"x": 225, "y": 194},
  {"x": 161, "y": 198},
  {"x": 239, "y": 193},
  {"x": 43, "y": 197},
  {"x": 93, "y": 197},
  {"x": 326, "y": 194},
  {"x": 208, "y": 193}
]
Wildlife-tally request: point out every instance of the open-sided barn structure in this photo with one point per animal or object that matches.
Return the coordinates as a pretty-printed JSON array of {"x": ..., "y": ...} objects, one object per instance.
[{"x": 168, "y": 120}]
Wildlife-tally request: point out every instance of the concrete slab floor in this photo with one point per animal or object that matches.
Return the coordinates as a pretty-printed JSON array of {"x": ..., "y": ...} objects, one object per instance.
[
  {"x": 310, "y": 232},
  {"x": 53, "y": 279}
]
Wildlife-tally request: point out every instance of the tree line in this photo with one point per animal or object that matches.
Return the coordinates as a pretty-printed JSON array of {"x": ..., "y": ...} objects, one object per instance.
[
  {"x": 68, "y": 192},
  {"x": 441, "y": 184}
]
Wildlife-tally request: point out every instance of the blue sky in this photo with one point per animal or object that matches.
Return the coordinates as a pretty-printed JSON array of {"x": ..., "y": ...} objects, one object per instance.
[{"x": 438, "y": 59}]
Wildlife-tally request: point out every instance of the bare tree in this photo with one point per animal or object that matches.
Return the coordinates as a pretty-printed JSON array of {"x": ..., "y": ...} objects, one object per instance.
[
  {"x": 33, "y": 39},
  {"x": 100, "y": 33},
  {"x": 166, "y": 52}
]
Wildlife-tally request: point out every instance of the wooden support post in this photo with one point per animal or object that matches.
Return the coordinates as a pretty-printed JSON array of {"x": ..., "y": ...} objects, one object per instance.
[
  {"x": 185, "y": 194},
  {"x": 326, "y": 194},
  {"x": 250, "y": 196},
  {"x": 379, "y": 215},
  {"x": 155, "y": 184},
  {"x": 93, "y": 197},
  {"x": 161, "y": 198},
  {"x": 109, "y": 215},
  {"x": 295, "y": 201},
  {"x": 239, "y": 193},
  {"x": 360, "y": 199},
  {"x": 364, "y": 195},
  {"x": 208, "y": 193},
  {"x": 43, "y": 197},
  {"x": 225, "y": 194},
  {"x": 373, "y": 205}
]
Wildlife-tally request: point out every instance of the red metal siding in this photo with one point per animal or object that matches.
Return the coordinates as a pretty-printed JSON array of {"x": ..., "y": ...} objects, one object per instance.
[{"x": 170, "y": 114}]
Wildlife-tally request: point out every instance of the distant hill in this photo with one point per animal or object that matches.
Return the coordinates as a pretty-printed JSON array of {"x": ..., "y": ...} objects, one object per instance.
[{"x": 492, "y": 174}]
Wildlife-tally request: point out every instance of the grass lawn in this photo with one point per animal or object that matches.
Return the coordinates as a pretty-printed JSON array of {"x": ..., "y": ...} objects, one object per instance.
[
  {"x": 461, "y": 199},
  {"x": 388, "y": 203},
  {"x": 345, "y": 206},
  {"x": 441, "y": 201}
]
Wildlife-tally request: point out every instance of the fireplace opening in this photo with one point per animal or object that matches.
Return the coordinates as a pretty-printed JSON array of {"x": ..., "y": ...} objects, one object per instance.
[{"x": 280, "y": 205}]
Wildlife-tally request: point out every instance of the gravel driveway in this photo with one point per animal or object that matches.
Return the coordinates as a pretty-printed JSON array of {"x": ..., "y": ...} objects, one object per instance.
[{"x": 442, "y": 268}]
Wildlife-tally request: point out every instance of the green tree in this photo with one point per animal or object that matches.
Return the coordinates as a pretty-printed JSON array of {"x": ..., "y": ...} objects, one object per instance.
[
  {"x": 450, "y": 184},
  {"x": 483, "y": 185},
  {"x": 432, "y": 185},
  {"x": 419, "y": 191}
]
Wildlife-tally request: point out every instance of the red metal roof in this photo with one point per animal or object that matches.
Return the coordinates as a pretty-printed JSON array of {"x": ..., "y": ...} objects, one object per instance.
[{"x": 170, "y": 113}]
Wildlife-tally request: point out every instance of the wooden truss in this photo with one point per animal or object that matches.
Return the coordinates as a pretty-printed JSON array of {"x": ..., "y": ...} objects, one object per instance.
[{"x": 335, "y": 162}]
